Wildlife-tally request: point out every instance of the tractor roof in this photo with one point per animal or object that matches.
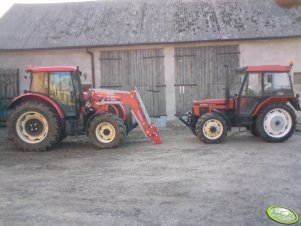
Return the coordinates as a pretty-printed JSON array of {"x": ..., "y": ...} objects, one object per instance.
[
  {"x": 51, "y": 69},
  {"x": 268, "y": 68}
]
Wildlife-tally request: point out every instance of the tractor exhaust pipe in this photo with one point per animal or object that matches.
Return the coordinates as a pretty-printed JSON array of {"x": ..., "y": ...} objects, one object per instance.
[{"x": 227, "y": 91}]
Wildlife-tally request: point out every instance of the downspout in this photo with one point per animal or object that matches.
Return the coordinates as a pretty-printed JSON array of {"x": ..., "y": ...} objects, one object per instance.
[{"x": 92, "y": 67}]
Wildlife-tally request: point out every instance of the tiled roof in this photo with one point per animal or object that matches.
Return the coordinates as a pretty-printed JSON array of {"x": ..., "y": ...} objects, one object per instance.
[{"x": 129, "y": 22}]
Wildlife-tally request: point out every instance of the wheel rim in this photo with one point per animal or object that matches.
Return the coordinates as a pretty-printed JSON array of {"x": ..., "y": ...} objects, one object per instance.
[
  {"x": 32, "y": 127},
  {"x": 213, "y": 129},
  {"x": 277, "y": 123},
  {"x": 105, "y": 132}
]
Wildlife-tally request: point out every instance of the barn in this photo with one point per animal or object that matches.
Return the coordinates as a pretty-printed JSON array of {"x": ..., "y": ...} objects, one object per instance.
[{"x": 173, "y": 51}]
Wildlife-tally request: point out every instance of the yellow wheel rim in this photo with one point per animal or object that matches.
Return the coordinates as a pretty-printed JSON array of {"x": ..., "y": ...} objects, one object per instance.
[
  {"x": 105, "y": 132},
  {"x": 213, "y": 129},
  {"x": 32, "y": 127}
]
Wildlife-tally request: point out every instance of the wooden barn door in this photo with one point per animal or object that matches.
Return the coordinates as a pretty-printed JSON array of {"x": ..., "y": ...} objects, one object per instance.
[
  {"x": 9, "y": 88},
  {"x": 200, "y": 73},
  {"x": 141, "y": 68}
]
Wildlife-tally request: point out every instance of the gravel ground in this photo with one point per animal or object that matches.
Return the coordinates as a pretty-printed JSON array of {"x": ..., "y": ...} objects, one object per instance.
[{"x": 181, "y": 182}]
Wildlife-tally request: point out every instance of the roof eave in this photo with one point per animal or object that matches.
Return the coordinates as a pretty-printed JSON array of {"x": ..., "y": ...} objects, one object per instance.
[{"x": 154, "y": 43}]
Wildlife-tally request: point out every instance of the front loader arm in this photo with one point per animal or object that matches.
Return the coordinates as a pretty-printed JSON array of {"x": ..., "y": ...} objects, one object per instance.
[{"x": 133, "y": 99}]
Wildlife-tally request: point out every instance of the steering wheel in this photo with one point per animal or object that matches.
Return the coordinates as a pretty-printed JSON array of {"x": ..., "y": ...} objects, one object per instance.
[{"x": 251, "y": 92}]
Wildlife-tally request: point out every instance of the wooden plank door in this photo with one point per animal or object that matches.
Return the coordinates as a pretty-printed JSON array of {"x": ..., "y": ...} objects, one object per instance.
[
  {"x": 200, "y": 73},
  {"x": 143, "y": 69}
]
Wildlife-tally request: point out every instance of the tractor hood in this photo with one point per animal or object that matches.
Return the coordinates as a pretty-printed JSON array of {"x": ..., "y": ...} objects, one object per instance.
[{"x": 212, "y": 102}]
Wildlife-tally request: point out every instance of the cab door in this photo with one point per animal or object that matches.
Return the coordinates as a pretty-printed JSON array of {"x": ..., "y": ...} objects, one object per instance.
[
  {"x": 249, "y": 97},
  {"x": 61, "y": 89}
]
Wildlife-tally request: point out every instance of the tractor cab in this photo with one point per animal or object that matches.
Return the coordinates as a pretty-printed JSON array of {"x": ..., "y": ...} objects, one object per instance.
[
  {"x": 257, "y": 85},
  {"x": 61, "y": 84}
]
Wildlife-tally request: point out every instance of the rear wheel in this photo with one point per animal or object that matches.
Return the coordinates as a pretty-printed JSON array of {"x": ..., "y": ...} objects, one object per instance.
[
  {"x": 276, "y": 123},
  {"x": 252, "y": 129},
  {"x": 211, "y": 128},
  {"x": 107, "y": 131},
  {"x": 33, "y": 126}
]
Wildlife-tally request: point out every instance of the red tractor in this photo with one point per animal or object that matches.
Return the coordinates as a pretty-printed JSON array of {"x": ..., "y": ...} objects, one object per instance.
[
  {"x": 260, "y": 98},
  {"x": 56, "y": 107}
]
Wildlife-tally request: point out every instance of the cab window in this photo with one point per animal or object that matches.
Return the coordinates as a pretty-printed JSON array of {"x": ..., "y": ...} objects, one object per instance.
[
  {"x": 39, "y": 82},
  {"x": 61, "y": 89},
  {"x": 235, "y": 84},
  {"x": 277, "y": 84},
  {"x": 252, "y": 86}
]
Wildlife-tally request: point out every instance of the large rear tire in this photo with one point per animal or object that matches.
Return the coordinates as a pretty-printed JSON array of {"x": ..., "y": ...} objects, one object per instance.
[
  {"x": 211, "y": 128},
  {"x": 276, "y": 123},
  {"x": 252, "y": 129},
  {"x": 33, "y": 126},
  {"x": 107, "y": 131}
]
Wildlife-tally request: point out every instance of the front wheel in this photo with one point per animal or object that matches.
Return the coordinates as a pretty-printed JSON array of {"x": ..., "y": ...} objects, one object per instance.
[
  {"x": 276, "y": 123},
  {"x": 211, "y": 128},
  {"x": 107, "y": 131}
]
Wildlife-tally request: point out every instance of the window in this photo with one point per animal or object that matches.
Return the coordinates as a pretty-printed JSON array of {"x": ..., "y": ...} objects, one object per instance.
[
  {"x": 39, "y": 82},
  {"x": 235, "y": 84},
  {"x": 253, "y": 85},
  {"x": 61, "y": 89},
  {"x": 277, "y": 84}
]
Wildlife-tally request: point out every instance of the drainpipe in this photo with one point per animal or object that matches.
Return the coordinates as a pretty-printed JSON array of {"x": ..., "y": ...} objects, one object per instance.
[{"x": 92, "y": 67}]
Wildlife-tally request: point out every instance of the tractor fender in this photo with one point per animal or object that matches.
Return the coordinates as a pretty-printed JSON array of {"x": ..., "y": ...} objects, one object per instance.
[
  {"x": 295, "y": 103},
  {"x": 120, "y": 111},
  {"x": 38, "y": 97},
  {"x": 216, "y": 111},
  {"x": 270, "y": 100}
]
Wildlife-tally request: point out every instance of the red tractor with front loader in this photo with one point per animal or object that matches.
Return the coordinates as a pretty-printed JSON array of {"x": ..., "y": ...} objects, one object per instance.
[
  {"x": 55, "y": 107},
  {"x": 260, "y": 98}
]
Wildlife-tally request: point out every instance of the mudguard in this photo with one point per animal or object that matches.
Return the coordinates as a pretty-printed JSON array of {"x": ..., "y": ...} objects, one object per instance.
[{"x": 38, "y": 97}]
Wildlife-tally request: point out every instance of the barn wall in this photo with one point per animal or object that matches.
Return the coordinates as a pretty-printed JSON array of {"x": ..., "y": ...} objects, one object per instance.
[
  {"x": 169, "y": 61},
  {"x": 271, "y": 52},
  {"x": 251, "y": 53},
  {"x": 40, "y": 58}
]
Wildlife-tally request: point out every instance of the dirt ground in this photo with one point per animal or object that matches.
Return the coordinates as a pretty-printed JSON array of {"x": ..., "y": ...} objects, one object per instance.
[{"x": 181, "y": 182}]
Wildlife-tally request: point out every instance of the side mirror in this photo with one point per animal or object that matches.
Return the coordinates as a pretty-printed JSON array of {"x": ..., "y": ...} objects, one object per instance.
[
  {"x": 297, "y": 95},
  {"x": 27, "y": 76}
]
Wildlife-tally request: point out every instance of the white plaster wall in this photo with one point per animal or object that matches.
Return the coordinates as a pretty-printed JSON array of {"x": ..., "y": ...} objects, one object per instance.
[
  {"x": 169, "y": 64},
  {"x": 272, "y": 52},
  {"x": 40, "y": 58}
]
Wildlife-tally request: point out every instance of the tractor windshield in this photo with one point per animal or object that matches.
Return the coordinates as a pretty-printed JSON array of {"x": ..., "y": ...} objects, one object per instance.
[{"x": 235, "y": 83}]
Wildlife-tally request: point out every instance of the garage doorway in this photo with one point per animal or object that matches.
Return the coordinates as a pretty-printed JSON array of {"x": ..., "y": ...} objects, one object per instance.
[{"x": 141, "y": 68}]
